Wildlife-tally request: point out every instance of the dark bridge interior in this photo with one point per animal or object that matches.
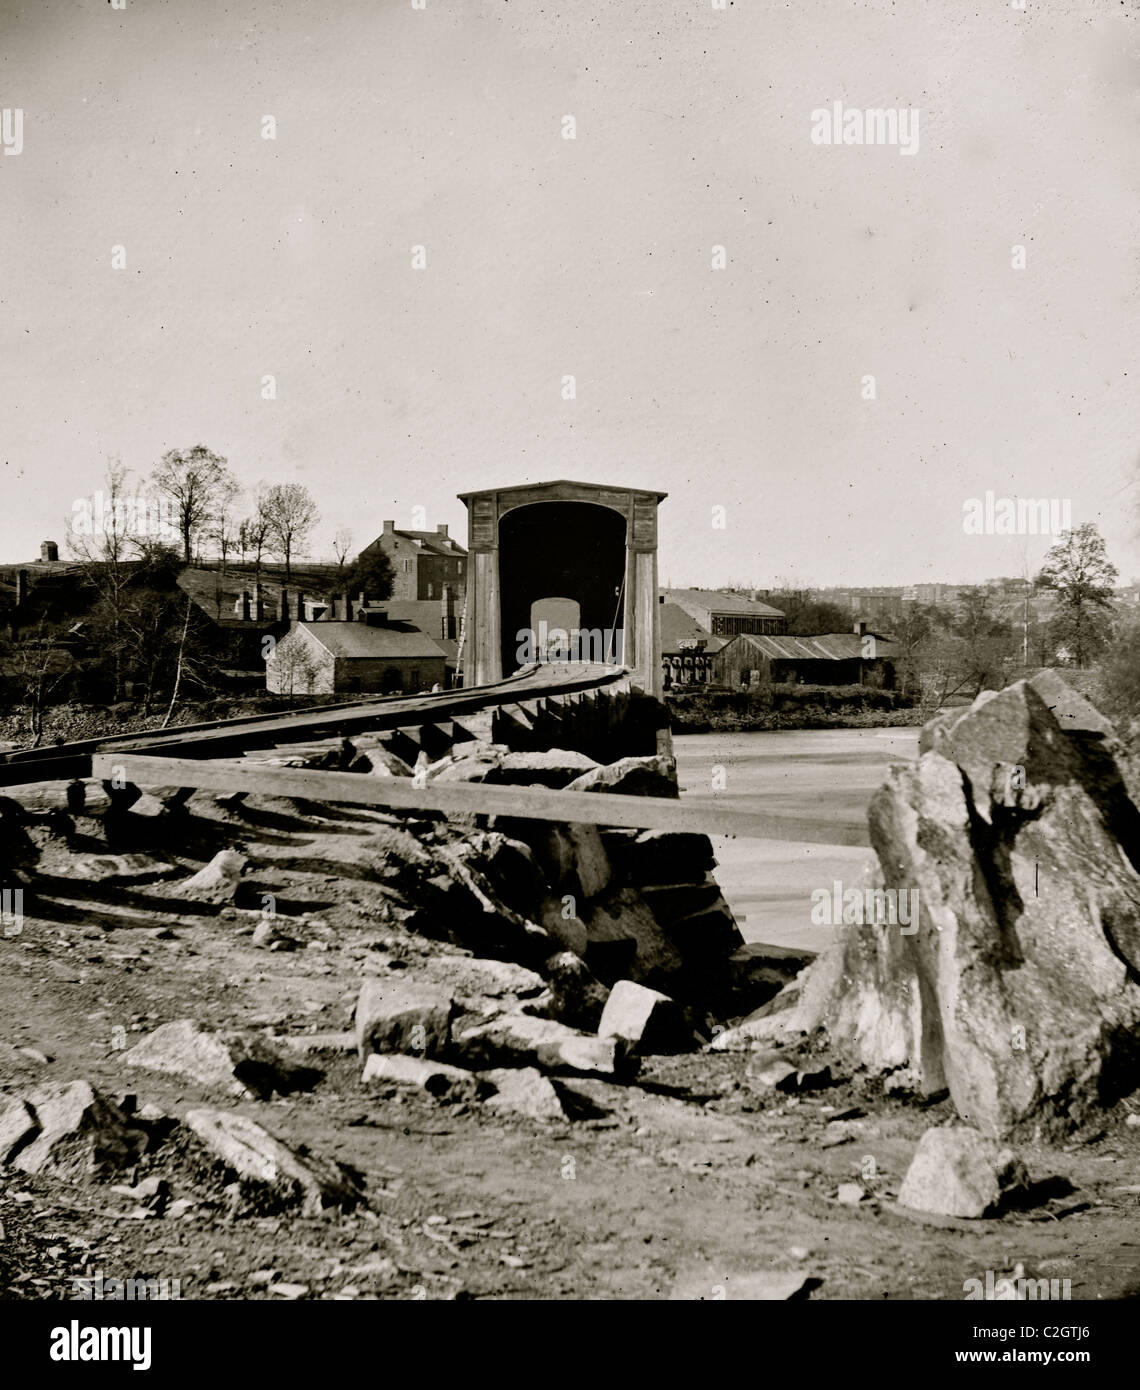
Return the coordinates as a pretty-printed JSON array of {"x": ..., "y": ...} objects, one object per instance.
[{"x": 573, "y": 550}]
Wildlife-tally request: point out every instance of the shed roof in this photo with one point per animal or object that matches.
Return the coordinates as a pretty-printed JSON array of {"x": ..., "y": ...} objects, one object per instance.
[
  {"x": 716, "y": 601},
  {"x": 831, "y": 646}
]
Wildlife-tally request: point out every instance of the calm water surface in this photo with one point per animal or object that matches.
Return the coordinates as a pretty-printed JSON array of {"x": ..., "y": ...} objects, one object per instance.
[{"x": 827, "y": 775}]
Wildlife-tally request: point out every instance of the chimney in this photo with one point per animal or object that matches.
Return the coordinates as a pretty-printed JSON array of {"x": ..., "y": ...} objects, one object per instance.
[
  {"x": 360, "y": 599},
  {"x": 49, "y": 552},
  {"x": 283, "y": 615},
  {"x": 245, "y": 605},
  {"x": 302, "y": 608},
  {"x": 347, "y": 608},
  {"x": 441, "y": 530},
  {"x": 752, "y": 595},
  {"x": 447, "y": 613},
  {"x": 21, "y": 587},
  {"x": 389, "y": 527},
  {"x": 258, "y": 604}
]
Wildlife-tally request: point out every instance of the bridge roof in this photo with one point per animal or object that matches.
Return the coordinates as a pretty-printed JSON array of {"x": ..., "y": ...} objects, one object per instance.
[{"x": 565, "y": 484}]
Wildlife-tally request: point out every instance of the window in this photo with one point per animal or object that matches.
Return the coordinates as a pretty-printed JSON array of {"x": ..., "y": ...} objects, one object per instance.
[
  {"x": 431, "y": 591},
  {"x": 407, "y": 566}
]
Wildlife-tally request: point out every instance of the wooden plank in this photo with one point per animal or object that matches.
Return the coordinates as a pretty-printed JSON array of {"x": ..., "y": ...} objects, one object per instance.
[
  {"x": 45, "y": 769},
  {"x": 531, "y": 803}
]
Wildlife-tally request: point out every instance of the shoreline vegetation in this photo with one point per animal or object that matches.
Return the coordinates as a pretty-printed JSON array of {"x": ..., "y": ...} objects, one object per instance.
[{"x": 704, "y": 709}]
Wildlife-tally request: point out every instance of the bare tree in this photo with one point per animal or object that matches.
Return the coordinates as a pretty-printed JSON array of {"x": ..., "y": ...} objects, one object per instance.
[
  {"x": 291, "y": 514},
  {"x": 253, "y": 535},
  {"x": 199, "y": 485},
  {"x": 342, "y": 544},
  {"x": 39, "y": 665},
  {"x": 102, "y": 538}
]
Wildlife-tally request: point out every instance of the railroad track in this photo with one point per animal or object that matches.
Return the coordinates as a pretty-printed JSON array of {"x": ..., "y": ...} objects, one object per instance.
[{"x": 573, "y": 705}]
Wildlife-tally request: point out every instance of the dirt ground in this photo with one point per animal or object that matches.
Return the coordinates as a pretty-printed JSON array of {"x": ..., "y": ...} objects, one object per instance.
[{"x": 675, "y": 1184}]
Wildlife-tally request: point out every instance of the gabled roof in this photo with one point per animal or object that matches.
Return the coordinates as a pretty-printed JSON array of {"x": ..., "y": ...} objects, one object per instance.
[
  {"x": 716, "y": 601},
  {"x": 832, "y": 646},
  {"x": 678, "y": 626},
  {"x": 359, "y": 641},
  {"x": 434, "y": 541}
]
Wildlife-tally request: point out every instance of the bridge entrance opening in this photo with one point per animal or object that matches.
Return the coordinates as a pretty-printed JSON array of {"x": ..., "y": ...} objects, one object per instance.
[{"x": 563, "y": 564}]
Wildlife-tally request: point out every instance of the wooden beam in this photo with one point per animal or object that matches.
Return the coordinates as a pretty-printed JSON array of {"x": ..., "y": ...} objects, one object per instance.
[{"x": 479, "y": 798}]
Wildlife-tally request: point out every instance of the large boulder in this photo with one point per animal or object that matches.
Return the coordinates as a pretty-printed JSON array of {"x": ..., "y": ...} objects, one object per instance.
[
  {"x": 958, "y": 1172},
  {"x": 1018, "y": 991}
]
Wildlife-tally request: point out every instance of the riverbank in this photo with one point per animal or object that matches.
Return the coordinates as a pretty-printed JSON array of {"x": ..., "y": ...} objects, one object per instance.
[{"x": 774, "y": 707}]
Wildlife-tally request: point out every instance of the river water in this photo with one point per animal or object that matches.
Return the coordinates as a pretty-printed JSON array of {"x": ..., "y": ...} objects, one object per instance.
[{"x": 827, "y": 775}]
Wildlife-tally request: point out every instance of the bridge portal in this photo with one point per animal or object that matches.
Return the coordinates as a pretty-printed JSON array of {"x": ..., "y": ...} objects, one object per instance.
[{"x": 561, "y": 549}]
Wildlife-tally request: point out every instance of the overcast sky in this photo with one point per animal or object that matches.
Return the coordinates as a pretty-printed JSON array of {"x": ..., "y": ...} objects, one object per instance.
[{"x": 547, "y": 257}]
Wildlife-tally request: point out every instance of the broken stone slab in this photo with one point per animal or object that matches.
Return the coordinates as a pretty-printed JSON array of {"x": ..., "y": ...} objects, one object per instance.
[
  {"x": 244, "y": 1064},
  {"x": 958, "y": 1171},
  {"x": 79, "y": 1132},
  {"x": 437, "y": 1078},
  {"x": 496, "y": 979},
  {"x": 666, "y": 856},
  {"x": 217, "y": 881},
  {"x": 524, "y": 1091},
  {"x": 753, "y": 1286},
  {"x": 759, "y": 972},
  {"x": 18, "y": 1126},
  {"x": 255, "y": 1156},
  {"x": 564, "y": 926},
  {"x": 121, "y": 868},
  {"x": 572, "y": 856},
  {"x": 553, "y": 768},
  {"x": 319, "y": 1042},
  {"x": 521, "y": 1040},
  {"x": 649, "y": 1021},
  {"x": 394, "y": 1015},
  {"x": 622, "y": 914},
  {"x": 630, "y": 777}
]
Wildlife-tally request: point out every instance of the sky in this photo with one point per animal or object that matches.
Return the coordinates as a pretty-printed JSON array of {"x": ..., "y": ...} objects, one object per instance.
[{"x": 741, "y": 392}]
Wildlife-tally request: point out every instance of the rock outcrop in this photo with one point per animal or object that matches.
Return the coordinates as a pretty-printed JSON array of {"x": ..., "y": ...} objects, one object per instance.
[{"x": 1020, "y": 990}]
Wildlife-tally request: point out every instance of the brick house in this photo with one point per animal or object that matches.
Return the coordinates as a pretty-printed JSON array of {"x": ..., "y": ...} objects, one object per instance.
[{"x": 423, "y": 562}]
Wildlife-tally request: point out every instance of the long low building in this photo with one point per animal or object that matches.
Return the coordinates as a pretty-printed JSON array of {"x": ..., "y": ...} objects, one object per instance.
[
  {"x": 834, "y": 658},
  {"x": 373, "y": 655}
]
